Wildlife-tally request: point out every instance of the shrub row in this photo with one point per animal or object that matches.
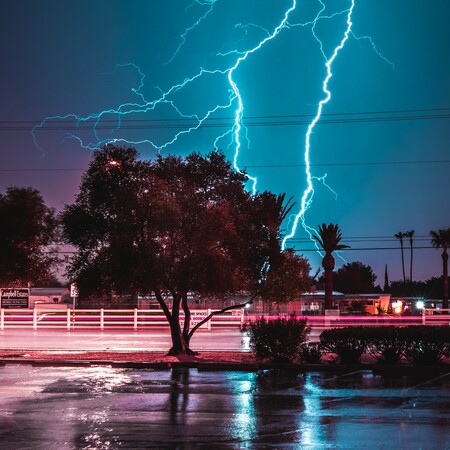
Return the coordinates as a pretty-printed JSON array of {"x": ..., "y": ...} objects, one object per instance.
[
  {"x": 284, "y": 340},
  {"x": 388, "y": 344}
]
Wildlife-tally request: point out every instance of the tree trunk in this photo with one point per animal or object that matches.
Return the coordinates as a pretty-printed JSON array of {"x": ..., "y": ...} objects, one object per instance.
[
  {"x": 403, "y": 261},
  {"x": 328, "y": 265},
  {"x": 179, "y": 344},
  {"x": 187, "y": 319},
  {"x": 445, "y": 278}
]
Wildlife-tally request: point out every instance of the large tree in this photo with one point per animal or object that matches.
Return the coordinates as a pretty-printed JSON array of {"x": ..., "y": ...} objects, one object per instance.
[
  {"x": 355, "y": 278},
  {"x": 174, "y": 226},
  {"x": 441, "y": 239},
  {"x": 329, "y": 239},
  {"x": 27, "y": 231}
]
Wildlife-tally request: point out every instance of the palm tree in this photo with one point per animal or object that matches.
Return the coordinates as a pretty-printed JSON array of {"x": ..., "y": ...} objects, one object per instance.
[
  {"x": 410, "y": 235},
  {"x": 441, "y": 239},
  {"x": 400, "y": 236},
  {"x": 329, "y": 239}
]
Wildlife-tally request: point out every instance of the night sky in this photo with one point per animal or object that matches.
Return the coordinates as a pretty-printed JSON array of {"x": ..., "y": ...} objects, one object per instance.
[{"x": 382, "y": 140}]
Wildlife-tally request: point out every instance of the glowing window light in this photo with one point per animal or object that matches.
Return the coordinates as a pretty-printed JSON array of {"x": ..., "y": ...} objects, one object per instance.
[{"x": 397, "y": 307}]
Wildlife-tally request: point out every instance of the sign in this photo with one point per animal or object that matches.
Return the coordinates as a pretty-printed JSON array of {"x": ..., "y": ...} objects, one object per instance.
[
  {"x": 73, "y": 290},
  {"x": 15, "y": 297}
]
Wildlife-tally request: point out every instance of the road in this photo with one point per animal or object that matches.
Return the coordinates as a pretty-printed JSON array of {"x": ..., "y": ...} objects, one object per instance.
[{"x": 155, "y": 339}]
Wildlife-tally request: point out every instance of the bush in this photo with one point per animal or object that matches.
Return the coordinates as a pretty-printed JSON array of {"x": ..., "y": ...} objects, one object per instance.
[
  {"x": 348, "y": 343},
  {"x": 311, "y": 352},
  {"x": 427, "y": 344},
  {"x": 420, "y": 344},
  {"x": 278, "y": 340},
  {"x": 386, "y": 344}
]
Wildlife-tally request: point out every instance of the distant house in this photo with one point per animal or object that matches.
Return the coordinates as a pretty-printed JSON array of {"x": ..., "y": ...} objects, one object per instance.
[
  {"x": 374, "y": 303},
  {"x": 310, "y": 304},
  {"x": 53, "y": 296}
]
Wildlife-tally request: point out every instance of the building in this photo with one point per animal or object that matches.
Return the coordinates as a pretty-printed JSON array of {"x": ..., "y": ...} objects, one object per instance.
[{"x": 49, "y": 296}]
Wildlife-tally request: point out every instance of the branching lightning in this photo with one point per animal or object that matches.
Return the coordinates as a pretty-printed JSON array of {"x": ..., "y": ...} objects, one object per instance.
[
  {"x": 240, "y": 109},
  {"x": 374, "y": 48},
  {"x": 309, "y": 191},
  {"x": 144, "y": 106},
  {"x": 210, "y": 4},
  {"x": 233, "y": 99}
]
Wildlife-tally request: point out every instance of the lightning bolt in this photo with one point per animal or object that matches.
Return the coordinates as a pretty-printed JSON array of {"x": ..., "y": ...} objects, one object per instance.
[
  {"x": 233, "y": 99},
  {"x": 143, "y": 106},
  {"x": 374, "y": 48},
  {"x": 308, "y": 193},
  {"x": 240, "y": 109},
  {"x": 210, "y": 4}
]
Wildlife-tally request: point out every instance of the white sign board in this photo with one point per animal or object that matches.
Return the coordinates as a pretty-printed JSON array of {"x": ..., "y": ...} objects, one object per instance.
[{"x": 73, "y": 290}]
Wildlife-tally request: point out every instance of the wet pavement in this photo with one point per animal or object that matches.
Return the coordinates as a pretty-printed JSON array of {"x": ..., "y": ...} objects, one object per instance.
[
  {"x": 156, "y": 339},
  {"x": 105, "y": 408}
]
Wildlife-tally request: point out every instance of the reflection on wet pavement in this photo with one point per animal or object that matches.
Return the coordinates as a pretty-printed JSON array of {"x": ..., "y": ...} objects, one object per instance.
[{"x": 105, "y": 408}]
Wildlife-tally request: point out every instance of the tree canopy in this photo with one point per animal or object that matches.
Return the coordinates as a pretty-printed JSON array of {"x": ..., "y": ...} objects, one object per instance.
[
  {"x": 177, "y": 225},
  {"x": 441, "y": 239},
  {"x": 27, "y": 229},
  {"x": 355, "y": 278}
]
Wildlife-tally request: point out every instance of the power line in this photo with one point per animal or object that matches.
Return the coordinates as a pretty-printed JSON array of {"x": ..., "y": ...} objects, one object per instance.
[
  {"x": 204, "y": 125},
  {"x": 373, "y": 163},
  {"x": 275, "y": 166},
  {"x": 367, "y": 238},
  {"x": 364, "y": 249},
  {"x": 184, "y": 119},
  {"x": 250, "y": 121},
  {"x": 42, "y": 170}
]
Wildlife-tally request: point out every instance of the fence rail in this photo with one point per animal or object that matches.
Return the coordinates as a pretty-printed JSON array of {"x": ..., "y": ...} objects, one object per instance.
[
  {"x": 428, "y": 317},
  {"x": 107, "y": 318},
  {"x": 143, "y": 318},
  {"x": 435, "y": 316}
]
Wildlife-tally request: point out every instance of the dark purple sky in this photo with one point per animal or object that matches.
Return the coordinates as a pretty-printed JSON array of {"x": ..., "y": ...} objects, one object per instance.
[{"x": 382, "y": 141}]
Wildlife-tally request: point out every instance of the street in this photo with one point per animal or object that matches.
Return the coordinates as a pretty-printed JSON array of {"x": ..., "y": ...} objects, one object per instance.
[{"x": 154, "y": 339}]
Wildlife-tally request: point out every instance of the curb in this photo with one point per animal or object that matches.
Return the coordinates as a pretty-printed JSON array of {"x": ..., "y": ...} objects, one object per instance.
[{"x": 234, "y": 367}]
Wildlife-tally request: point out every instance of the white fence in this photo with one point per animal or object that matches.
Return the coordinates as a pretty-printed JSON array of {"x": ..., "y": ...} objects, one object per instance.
[
  {"x": 107, "y": 318},
  {"x": 429, "y": 317},
  {"x": 142, "y": 318},
  {"x": 435, "y": 316}
]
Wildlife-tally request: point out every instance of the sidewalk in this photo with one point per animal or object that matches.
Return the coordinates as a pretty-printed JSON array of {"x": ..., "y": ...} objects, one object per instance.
[{"x": 205, "y": 361}]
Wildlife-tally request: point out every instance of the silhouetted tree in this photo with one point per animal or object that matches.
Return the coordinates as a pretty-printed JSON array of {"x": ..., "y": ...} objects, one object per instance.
[
  {"x": 329, "y": 239},
  {"x": 429, "y": 289},
  {"x": 410, "y": 235},
  {"x": 386, "y": 280},
  {"x": 27, "y": 231},
  {"x": 355, "y": 278},
  {"x": 441, "y": 239},
  {"x": 400, "y": 237},
  {"x": 173, "y": 226}
]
